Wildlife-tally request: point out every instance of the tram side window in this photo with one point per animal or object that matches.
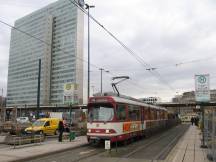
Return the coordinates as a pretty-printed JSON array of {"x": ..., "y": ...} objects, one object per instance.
[
  {"x": 152, "y": 115},
  {"x": 146, "y": 114},
  {"x": 158, "y": 114},
  {"x": 134, "y": 112},
  {"x": 166, "y": 115},
  {"x": 155, "y": 114},
  {"x": 121, "y": 112},
  {"x": 162, "y": 115}
]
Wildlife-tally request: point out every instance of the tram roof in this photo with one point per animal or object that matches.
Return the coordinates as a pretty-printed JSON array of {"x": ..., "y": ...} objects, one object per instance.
[
  {"x": 135, "y": 102},
  {"x": 132, "y": 101}
]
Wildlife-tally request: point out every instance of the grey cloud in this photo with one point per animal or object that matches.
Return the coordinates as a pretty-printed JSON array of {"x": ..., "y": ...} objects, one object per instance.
[{"x": 163, "y": 33}]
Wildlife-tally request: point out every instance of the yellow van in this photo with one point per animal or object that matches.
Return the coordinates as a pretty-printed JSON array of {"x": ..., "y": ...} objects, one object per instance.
[{"x": 44, "y": 126}]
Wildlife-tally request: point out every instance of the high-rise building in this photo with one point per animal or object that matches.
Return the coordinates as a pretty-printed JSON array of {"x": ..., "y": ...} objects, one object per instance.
[{"x": 60, "y": 26}]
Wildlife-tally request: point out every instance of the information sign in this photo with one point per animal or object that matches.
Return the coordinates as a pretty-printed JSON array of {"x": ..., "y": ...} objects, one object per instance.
[
  {"x": 202, "y": 92},
  {"x": 107, "y": 145}
]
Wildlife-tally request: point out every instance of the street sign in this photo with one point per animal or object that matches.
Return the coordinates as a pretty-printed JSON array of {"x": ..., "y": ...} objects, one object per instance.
[
  {"x": 202, "y": 90},
  {"x": 107, "y": 145}
]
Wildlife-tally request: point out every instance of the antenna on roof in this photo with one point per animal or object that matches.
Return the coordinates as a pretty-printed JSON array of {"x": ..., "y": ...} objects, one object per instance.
[{"x": 122, "y": 78}]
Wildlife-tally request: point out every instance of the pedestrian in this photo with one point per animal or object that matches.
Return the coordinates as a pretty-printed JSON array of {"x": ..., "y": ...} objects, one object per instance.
[
  {"x": 197, "y": 121},
  {"x": 61, "y": 130},
  {"x": 192, "y": 121}
]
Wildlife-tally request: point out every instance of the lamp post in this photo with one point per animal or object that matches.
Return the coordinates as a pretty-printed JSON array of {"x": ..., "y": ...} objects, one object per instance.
[
  {"x": 2, "y": 101},
  {"x": 102, "y": 78},
  {"x": 88, "y": 7},
  {"x": 38, "y": 88}
]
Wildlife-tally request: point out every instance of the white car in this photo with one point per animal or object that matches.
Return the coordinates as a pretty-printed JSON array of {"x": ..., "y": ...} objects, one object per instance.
[{"x": 23, "y": 120}]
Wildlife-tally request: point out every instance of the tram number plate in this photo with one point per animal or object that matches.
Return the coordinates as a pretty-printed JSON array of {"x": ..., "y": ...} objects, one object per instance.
[{"x": 107, "y": 145}]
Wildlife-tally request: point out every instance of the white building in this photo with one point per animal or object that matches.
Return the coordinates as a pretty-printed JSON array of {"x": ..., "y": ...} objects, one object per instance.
[
  {"x": 151, "y": 100},
  {"x": 60, "y": 25}
]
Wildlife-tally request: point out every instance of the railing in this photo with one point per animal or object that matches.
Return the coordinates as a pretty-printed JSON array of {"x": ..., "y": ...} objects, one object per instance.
[
  {"x": 18, "y": 141},
  {"x": 209, "y": 130}
]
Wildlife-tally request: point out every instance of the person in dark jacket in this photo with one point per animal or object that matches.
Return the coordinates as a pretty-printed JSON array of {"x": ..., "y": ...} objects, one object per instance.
[
  {"x": 192, "y": 120},
  {"x": 61, "y": 130},
  {"x": 196, "y": 121}
]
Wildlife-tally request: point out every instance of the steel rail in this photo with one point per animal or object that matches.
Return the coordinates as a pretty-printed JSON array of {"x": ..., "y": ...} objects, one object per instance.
[
  {"x": 162, "y": 154},
  {"x": 156, "y": 140}
]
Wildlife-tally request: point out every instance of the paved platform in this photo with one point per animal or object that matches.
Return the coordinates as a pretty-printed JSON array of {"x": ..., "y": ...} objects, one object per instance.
[
  {"x": 188, "y": 148},
  {"x": 20, "y": 153}
]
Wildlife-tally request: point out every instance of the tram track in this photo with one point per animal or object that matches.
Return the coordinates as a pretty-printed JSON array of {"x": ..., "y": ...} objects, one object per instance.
[
  {"x": 73, "y": 155},
  {"x": 164, "y": 143},
  {"x": 164, "y": 152},
  {"x": 156, "y": 147},
  {"x": 145, "y": 146}
]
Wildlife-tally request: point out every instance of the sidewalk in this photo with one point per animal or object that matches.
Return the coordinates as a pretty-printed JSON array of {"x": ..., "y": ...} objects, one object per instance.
[
  {"x": 188, "y": 148},
  {"x": 28, "y": 152}
]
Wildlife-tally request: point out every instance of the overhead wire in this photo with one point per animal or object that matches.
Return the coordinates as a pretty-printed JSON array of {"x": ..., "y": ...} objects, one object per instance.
[
  {"x": 48, "y": 44},
  {"x": 159, "y": 67},
  {"x": 129, "y": 80},
  {"x": 63, "y": 50},
  {"x": 184, "y": 62},
  {"x": 138, "y": 58},
  {"x": 130, "y": 51}
]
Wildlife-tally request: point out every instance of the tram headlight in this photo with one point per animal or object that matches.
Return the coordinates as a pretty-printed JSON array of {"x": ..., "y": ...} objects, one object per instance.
[
  {"x": 89, "y": 130},
  {"x": 107, "y": 131}
]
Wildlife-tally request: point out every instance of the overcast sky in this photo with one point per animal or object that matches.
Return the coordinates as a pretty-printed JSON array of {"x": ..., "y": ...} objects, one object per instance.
[{"x": 178, "y": 37}]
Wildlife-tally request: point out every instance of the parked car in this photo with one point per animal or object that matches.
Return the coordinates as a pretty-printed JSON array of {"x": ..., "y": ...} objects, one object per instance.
[
  {"x": 44, "y": 126},
  {"x": 23, "y": 120}
]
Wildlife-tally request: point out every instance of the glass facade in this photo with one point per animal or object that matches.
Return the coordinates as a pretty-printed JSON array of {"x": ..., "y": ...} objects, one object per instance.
[{"x": 59, "y": 26}]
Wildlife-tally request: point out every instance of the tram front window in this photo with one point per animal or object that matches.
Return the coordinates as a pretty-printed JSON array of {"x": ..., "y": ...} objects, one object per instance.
[{"x": 101, "y": 113}]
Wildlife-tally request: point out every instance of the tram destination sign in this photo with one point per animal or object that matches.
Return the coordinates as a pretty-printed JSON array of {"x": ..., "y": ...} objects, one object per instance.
[{"x": 202, "y": 90}]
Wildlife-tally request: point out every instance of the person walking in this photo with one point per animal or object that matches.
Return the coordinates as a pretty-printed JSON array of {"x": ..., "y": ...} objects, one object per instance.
[
  {"x": 61, "y": 130},
  {"x": 196, "y": 121},
  {"x": 192, "y": 121}
]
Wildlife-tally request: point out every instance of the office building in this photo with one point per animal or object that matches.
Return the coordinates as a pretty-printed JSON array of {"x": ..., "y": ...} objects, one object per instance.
[{"x": 60, "y": 27}]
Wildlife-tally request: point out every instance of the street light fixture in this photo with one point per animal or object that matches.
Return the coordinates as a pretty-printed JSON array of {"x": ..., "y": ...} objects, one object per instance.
[
  {"x": 101, "y": 69},
  {"x": 151, "y": 69},
  {"x": 88, "y": 7}
]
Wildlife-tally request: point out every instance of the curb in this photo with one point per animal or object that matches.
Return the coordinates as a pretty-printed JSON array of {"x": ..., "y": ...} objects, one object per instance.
[{"x": 48, "y": 153}]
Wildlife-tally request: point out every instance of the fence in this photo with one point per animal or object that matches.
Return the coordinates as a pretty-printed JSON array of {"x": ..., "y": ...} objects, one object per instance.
[
  {"x": 24, "y": 140},
  {"x": 209, "y": 131}
]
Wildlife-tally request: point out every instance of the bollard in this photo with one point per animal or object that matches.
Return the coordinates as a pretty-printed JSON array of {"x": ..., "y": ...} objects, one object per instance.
[
  {"x": 116, "y": 144},
  {"x": 40, "y": 140},
  {"x": 14, "y": 141},
  {"x": 72, "y": 136}
]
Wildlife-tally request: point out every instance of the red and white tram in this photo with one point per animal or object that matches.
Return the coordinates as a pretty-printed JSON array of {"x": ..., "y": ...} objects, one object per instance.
[{"x": 118, "y": 118}]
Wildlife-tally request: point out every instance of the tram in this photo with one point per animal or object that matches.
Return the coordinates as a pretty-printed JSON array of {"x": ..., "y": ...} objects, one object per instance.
[{"x": 117, "y": 118}]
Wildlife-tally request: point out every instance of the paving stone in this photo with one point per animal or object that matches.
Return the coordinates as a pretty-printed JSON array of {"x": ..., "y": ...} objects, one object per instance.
[{"x": 188, "y": 148}]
